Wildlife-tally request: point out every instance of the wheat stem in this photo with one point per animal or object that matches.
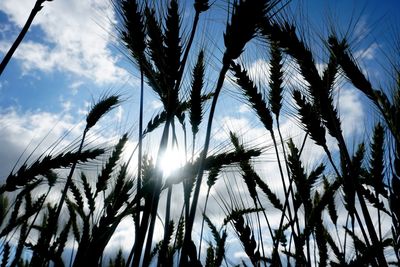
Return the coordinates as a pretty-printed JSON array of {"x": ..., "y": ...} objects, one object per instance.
[{"x": 37, "y": 7}]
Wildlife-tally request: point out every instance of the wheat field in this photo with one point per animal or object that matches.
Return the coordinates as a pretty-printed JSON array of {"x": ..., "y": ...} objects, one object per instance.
[{"x": 299, "y": 191}]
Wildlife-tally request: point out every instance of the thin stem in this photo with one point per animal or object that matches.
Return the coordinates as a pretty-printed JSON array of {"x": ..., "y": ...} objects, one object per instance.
[
  {"x": 186, "y": 53},
  {"x": 139, "y": 178},
  {"x": 260, "y": 234},
  {"x": 156, "y": 192},
  {"x": 266, "y": 219},
  {"x": 139, "y": 175},
  {"x": 69, "y": 180},
  {"x": 38, "y": 6},
  {"x": 290, "y": 188},
  {"x": 202, "y": 221},
  {"x": 150, "y": 213},
  {"x": 189, "y": 224},
  {"x": 286, "y": 193},
  {"x": 164, "y": 248}
]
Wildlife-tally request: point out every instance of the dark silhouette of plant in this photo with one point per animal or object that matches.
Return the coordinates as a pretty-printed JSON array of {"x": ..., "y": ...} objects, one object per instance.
[
  {"x": 340, "y": 211},
  {"x": 37, "y": 7}
]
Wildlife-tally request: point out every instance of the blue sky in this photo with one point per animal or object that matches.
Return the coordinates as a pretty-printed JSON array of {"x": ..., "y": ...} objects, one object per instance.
[{"x": 70, "y": 57}]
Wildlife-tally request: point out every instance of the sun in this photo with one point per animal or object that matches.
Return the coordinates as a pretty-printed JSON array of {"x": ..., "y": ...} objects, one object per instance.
[{"x": 172, "y": 160}]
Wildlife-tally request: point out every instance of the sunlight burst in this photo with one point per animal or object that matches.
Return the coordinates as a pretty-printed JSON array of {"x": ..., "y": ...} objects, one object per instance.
[{"x": 172, "y": 160}]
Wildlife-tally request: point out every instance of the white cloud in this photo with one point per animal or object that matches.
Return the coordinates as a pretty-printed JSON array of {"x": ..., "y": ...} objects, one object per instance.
[
  {"x": 243, "y": 128},
  {"x": 244, "y": 108},
  {"x": 361, "y": 29},
  {"x": 351, "y": 112},
  {"x": 75, "y": 86},
  {"x": 368, "y": 53},
  {"x": 26, "y": 131},
  {"x": 67, "y": 105},
  {"x": 259, "y": 71},
  {"x": 156, "y": 104},
  {"x": 40, "y": 132},
  {"x": 75, "y": 38}
]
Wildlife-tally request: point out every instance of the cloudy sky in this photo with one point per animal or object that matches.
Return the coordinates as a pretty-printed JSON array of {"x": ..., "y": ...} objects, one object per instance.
[{"x": 70, "y": 57}]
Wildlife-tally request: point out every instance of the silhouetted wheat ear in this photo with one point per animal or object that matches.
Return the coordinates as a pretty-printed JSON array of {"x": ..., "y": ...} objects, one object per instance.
[
  {"x": 88, "y": 193},
  {"x": 155, "y": 250},
  {"x": 165, "y": 246},
  {"x": 332, "y": 211},
  {"x": 284, "y": 34},
  {"x": 6, "y": 255},
  {"x": 220, "y": 249},
  {"x": 249, "y": 178},
  {"x": 220, "y": 243},
  {"x": 395, "y": 198},
  {"x": 351, "y": 183},
  {"x": 17, "y": 205},
  {"x": 26, "y": 175},
  {"x": 236, "y": 213},
  {"x": 148, "y": 170},
  {"x": 120, "y": 187},
  {"x": 248, "y": 172},
  {"x": 254, "y": 96},
  {"x": 99, "y": 109},
  {"x": 329, "y": 114},
  {"x": 213, "y": 175},
  {"x": 325, "y": 200},
  {"x": 276, "y": 79},
  {"x": 320, "y": 238},
  {"x": 196, "y": 112},
  {"x": 249, "y": 243},
  {"x": 133, "y": 32},
  {"x": 72, "y": 214},
  {"x": 309, "y": 118},
  {"x": 212, "y": 227},
  {"x": 108, "y": 168},
  {"x": 155, "y": 43},
  {"x": 133, "y": 35},
  {"x": 216, "y": 255},
  {"x": 330, "y": 73},
  {"x": 155, "y": 122},
  {"x": 210, "y": 261},
  {"x": 352, "y": 71},
  {"x": 376, "y": 163},
  {"x": 173, "y": 48},
  {"x": 77, "y": 197},
  {"x": 243, "y": 26},
  {"x": 44, "y": 241},
  {"x": 229, "y": 158},
  {"x": 273, "y": 198},
  {"x": 299, "y": 177},
  {"x": 180, "y": 233},
  {"x": 16, "y": 218}
]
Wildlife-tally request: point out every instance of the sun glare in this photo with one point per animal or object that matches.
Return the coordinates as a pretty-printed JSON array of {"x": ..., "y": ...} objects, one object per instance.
[{"x": 173, "y": 159}]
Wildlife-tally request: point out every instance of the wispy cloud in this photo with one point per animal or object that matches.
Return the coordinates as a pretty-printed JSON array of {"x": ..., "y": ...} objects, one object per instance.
[
  {"x": 368, "y": 53},
  {"x": 27, "y": 131},
  {"x": 35, "y": 133},
  {"x": 76, "y": 38}
]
